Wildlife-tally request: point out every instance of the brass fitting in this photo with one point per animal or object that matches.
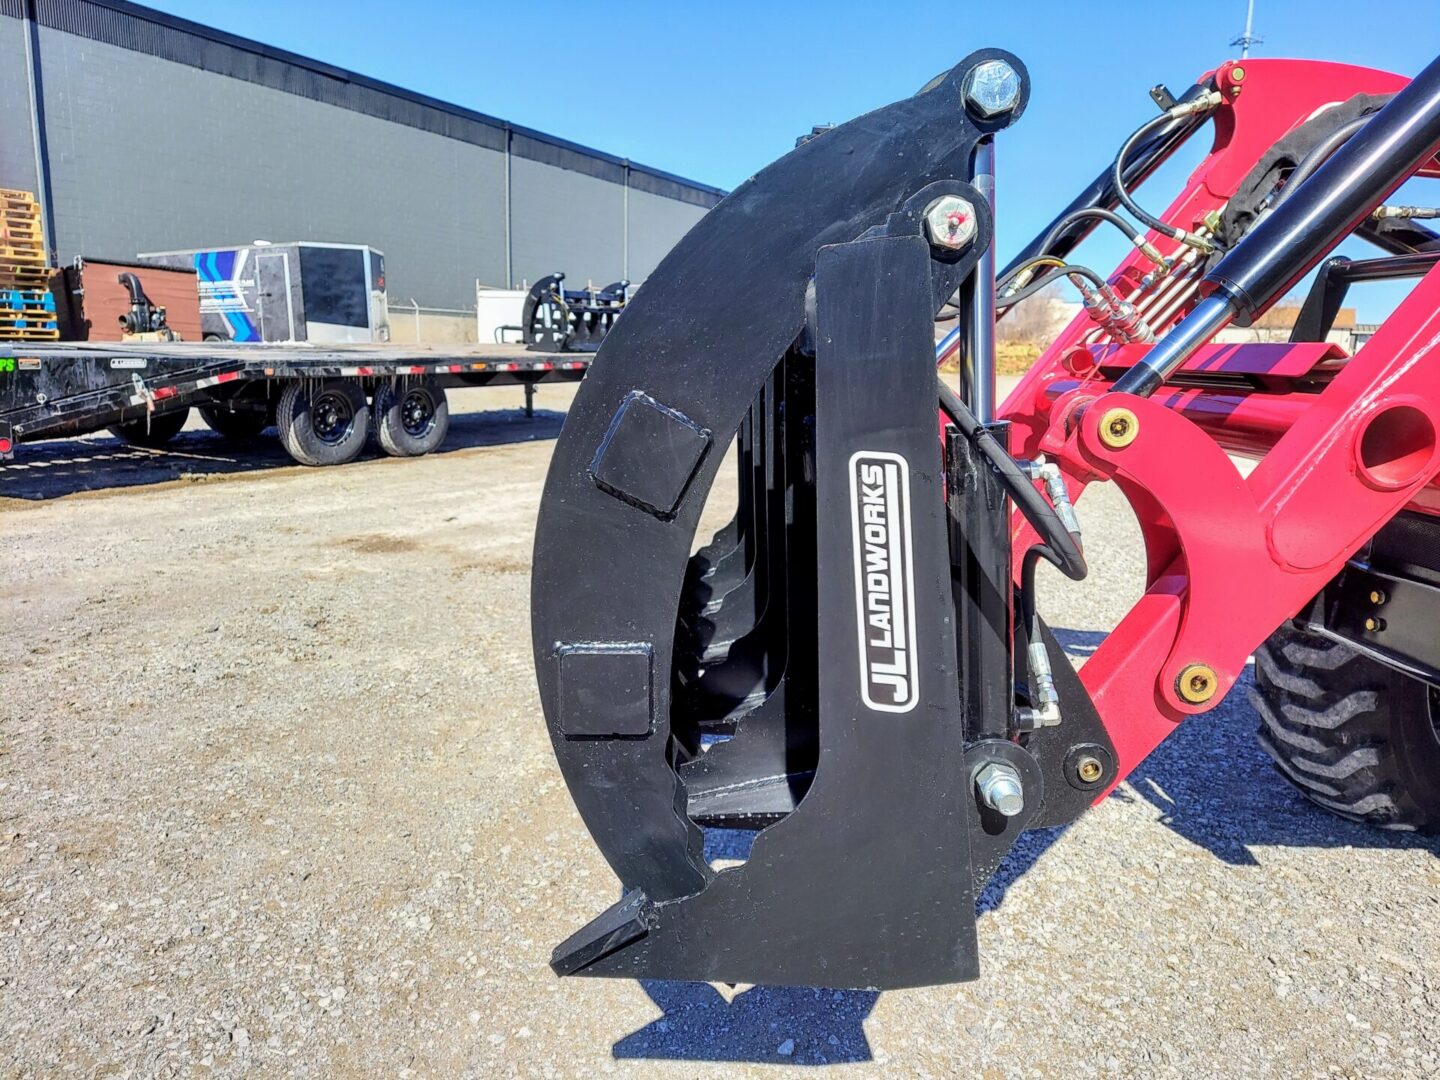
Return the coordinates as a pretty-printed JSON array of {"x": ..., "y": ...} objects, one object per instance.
[
  {"x": 1089, "y": 769},
  {"x": 1119, "y": 428},
  {"x": 1197, "y": 684}
]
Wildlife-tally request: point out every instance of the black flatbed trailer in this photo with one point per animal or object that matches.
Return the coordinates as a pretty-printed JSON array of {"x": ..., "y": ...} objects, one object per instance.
[{"x": 325, "y": 400}]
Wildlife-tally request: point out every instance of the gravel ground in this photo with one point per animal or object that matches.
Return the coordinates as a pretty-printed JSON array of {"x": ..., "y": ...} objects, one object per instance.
[{"x": 276, "y": 796}]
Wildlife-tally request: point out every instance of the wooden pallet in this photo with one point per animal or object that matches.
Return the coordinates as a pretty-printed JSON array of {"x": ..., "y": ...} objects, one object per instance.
[
  {"x": 29, "y": 335},
  {"x": 12, "y": 254}
]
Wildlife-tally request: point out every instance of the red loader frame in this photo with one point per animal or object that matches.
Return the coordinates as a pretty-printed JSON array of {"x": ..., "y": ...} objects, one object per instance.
[{"x": 1343, "y": 445}]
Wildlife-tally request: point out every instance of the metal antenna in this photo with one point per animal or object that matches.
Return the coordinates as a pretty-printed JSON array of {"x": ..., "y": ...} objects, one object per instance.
[{"x": 1248, "y": 38}]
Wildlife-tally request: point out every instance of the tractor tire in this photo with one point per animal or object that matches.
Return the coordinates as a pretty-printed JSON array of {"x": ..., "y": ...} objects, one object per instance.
[
  {"x": 325, "y": 422},
  {"x": 411, "y": 419},
  {"x": 1353, "y": 735},
  {"x": 151, "y": 432},
  {"x": 241, "y": 426}
]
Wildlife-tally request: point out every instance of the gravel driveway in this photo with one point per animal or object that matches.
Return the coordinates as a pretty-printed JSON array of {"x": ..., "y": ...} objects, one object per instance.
[{"x": 276, "y": 797}]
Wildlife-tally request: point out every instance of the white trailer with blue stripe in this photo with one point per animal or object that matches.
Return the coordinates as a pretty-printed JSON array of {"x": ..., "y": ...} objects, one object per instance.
[{"x": 325, "y": 294}]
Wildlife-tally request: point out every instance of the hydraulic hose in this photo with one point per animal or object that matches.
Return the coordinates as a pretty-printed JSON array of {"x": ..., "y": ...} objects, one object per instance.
[
  {"x": 1058, "y": 545},
  {"x": 1040, "y": 284},
  {"x": 1341, "y": 193},
  {"x": 1131, "y": 233},
  {"x": 1316, "y": 157},
  {"x": 1144, "y": 158},
  {"x": 1117, "y": 170}
]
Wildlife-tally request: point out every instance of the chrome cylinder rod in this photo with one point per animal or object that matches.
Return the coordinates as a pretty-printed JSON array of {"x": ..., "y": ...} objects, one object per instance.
[{"x": 977, "y": 370}]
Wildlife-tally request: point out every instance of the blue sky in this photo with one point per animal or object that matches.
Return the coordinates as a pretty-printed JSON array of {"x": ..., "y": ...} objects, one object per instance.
[{"x": 715, "y": 91}]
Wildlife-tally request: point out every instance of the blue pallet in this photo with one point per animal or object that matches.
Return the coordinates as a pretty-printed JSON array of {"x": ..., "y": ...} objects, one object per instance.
[{"x": 20, "y": 299}]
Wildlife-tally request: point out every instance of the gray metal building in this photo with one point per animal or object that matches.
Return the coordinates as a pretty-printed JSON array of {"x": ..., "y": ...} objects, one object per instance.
[{"x": 144, "y": 132}]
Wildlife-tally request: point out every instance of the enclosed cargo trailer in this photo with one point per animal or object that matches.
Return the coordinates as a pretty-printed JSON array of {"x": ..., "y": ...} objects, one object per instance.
[{"x": 293, "y": 291}]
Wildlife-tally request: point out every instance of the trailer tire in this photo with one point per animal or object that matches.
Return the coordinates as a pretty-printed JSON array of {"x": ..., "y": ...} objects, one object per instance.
[
  {"x": 323, "y": 422},
  {"x": 1353, "y": 735},
  {"x": 241, "y": 426},
  {"x": 411, "y": 419},
  {"x": 152, "y": 431}
]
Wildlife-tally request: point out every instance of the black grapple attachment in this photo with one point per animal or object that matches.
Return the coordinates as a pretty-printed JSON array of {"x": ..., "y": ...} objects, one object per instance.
[{"x": 833, "y": 668}]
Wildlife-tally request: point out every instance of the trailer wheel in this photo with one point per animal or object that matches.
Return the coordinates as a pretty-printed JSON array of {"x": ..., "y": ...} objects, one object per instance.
[
  {"x": 242, "y": 425},
  {"x": 323, "y": 422},
  {"x": 411, "y": 419},
  {"x": 1356, "y": 737},
  {"x": 152, "y": 431}
]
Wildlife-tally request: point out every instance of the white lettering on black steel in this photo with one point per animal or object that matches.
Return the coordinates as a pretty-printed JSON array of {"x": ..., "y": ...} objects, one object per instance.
[{"x": 884, "y": 580}]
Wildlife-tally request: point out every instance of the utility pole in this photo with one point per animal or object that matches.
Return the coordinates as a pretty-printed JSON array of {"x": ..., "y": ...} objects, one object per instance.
[{"x": 1248, "y": 38}]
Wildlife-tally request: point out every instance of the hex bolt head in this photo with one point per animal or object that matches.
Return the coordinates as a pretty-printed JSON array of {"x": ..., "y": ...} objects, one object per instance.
[
  {"x": 950, "y": 223},
  {"x": 992, "y": 89},
  {"x": 999, "y": 788}
]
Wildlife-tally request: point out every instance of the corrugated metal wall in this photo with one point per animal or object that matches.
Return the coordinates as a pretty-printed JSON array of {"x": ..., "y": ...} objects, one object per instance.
[
  {"x": 149, "y": 150},
  {"x": 17, "y": 144}
]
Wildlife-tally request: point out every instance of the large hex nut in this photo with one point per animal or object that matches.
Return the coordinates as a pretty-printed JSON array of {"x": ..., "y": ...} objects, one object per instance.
[
  {"x": 992, "y": 89},
  {"x": 950, "y": 223}
]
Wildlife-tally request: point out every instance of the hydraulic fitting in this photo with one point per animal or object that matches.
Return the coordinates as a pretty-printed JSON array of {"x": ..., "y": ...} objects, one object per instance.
[
  {"x": 1383, "y": 212},
  {"x": 1049, "y": 474},
  {"x": 1204, "y": 103},
  {"x": 1046, "y": 710},
  {"x": 1151, "y": 252},
  {"x": 1118, "y": 318}
]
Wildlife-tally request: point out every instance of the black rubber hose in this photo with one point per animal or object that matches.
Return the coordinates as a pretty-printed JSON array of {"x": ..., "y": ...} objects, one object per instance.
[
  {"x": 1059, "y": 546},
  {"x": 1117, "y": 176},
  {"x": 1317, "y": 155},
  {"x": 1043, "y": 283},
  {"x": 1029, "y": 616},
  {"x": 1131, "y": 233}
]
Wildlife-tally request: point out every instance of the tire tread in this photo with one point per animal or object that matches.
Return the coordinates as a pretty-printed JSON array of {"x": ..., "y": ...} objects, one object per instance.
[{"x": 1339, "y": 727}]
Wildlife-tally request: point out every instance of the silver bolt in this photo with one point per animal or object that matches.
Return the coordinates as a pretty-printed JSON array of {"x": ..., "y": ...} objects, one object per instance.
[
  {"x": 992, "y": 89},
  {"x": 1000, "y": 789},
  {"x": 950, "y": 222}
]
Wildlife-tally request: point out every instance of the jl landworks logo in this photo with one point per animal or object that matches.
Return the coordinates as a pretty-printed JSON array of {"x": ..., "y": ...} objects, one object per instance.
[{"x": 884, "y": 580}]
